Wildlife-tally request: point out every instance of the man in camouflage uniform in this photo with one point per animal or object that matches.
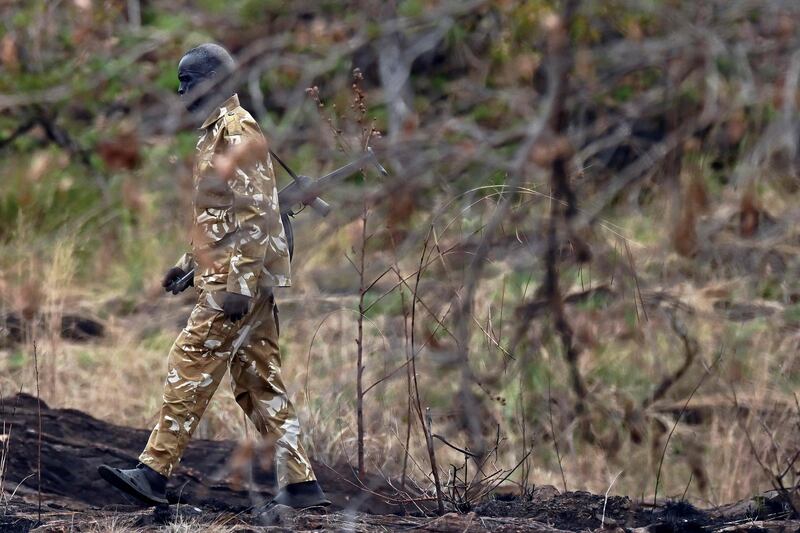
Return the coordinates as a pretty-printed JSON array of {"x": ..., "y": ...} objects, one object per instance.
[{"x": 239, "y": 253}]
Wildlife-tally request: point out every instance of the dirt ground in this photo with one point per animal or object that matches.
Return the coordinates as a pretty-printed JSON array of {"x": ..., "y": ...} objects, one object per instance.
[{"x": 210, "y": 492}]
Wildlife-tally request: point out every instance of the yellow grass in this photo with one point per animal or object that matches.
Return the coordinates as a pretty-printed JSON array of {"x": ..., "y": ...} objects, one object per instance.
[{"x": 119, "y": 377}]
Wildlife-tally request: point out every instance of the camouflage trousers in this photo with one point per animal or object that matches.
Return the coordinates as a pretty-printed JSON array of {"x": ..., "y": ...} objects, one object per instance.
[{"x": 205, "y": 349}]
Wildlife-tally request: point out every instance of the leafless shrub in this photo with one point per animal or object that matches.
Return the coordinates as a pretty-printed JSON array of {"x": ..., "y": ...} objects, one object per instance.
[{"x": 778, "y": 457}]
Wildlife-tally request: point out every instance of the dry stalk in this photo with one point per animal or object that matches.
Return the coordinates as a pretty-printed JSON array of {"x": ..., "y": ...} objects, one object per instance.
[
  {"x": 776, "y": 476},
  {"x": 526, "y": 469},
  {"x": 408, "y": 382},
  {"x": 690, "y": 349},
  {"x": 359, "y": 109},
  {"x": 418, "y": 401},
  {"x": 4, "y": 453},
  {"x": 553, "y": 434},
  {"x": 463, "y": 492},
  {"x": 605, "y": 499},
  {"x": 39, "y": 438},
  {"x": 678, "y": 419},
  {"x": 362, "y": 291},
  {"x": 636, "y": 282},
  {"x": 359, "y": 106}
]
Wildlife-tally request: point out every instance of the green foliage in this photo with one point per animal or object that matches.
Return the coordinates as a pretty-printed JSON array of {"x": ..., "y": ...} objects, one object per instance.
[
  {"x": 596, "y": 301},
  {"x": 86, "y": 360},
  {"x": 171, "y": 22},
  {"x": 770, "y": 289},
  {"x": 388, "y": 305},
  {"x": 525, "y": 20},
  {"x": 16, "y": 360},
  {"x": 792, "y": 314},
  {"x": 218, "y": 6},
  {"x": 582, "y": 30},
  {"x": 612, "y": 369},
  {"x": 23, "y": 17},
  {"x": 167, "y": 78},
  {"x": 520, "y": 283},
  {"x": 300, "y": 161},
  {"x": 489, "y": 113},
  {"x": 380, "y": 115},
  {"x": 411, "y": 8},
  {"x": 622, "y": 93},
  {"x": 456, "y": 35},
  {"x": 185, "y": 146},
  {"x": 159, "y": 340},
  {"x": 631, "y": 317},
  {"x": 51, "y": 203},
  {"x": 726, "y": 65},
  {"x": 259, "y": 11},
  {"x": 373, "y": 28}
]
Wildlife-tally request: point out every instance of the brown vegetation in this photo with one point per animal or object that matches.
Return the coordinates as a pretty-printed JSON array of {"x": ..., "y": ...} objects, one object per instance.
[{"x": 581, "y": 272}]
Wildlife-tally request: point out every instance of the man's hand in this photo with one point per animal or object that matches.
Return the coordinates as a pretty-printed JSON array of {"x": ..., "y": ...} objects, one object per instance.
[
  {"x": 235, "y": 306},
  {"x": 173, "y": 275}
]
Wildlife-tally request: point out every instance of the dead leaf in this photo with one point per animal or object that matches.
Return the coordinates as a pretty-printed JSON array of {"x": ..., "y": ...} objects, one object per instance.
[
  {"x": 40, "y": 163},
  {"x": 749, "y": 213},
  {"x": 30, "y": 298},
  {"x": 121, "y": 152},
  {"x": 8, "y": 52}
]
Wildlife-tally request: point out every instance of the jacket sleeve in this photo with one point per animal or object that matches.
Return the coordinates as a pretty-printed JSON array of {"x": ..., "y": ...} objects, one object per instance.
[
  {"x": 252, "y": 196},
  {"x": 186, "y": 262}
]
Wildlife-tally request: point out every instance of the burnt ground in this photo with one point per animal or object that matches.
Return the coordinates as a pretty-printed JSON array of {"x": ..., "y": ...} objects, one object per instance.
[{"x": 207, "y": 491}]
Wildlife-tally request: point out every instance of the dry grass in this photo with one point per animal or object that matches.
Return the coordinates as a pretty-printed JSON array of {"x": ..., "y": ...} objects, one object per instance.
[
  {"x": 119, "y": 523},
  {"x": 119, "y": 377}
]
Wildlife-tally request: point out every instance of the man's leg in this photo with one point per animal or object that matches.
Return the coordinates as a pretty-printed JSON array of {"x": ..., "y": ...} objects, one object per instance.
[
  {"x": 197, "y": 361},
  {"x": 196, "y": 364},
  {"x": 259, "y": 390}
]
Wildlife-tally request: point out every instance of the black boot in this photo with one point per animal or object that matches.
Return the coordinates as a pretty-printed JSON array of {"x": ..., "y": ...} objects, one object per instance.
[
  {"x": 302, "y": 495},
  {"x": 142, "y": 482}
]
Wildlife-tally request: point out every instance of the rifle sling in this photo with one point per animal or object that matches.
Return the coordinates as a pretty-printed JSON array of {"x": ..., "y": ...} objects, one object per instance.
[{"x": 284, "y": 165}]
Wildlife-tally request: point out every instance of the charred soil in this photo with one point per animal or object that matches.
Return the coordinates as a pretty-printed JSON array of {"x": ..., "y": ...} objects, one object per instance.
[{"x": 208, "y": 490}]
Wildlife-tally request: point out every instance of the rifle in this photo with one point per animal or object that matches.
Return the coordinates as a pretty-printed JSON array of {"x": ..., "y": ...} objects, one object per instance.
[
  {"x": 307, "y": 191},
  {"x": 302, "y": 190}
]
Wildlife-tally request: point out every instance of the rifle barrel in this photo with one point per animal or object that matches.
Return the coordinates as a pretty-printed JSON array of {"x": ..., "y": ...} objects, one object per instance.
[{"x": 351, "y": 168}]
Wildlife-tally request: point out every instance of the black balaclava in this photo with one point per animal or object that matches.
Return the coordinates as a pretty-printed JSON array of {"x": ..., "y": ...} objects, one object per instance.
[{"x": 202, "y": 73}]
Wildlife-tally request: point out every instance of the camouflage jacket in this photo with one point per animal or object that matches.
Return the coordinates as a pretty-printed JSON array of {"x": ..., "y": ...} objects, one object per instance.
[{"x": 238, "y": 239}]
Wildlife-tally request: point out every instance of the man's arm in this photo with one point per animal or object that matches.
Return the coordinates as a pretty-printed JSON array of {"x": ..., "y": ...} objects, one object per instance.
[
  {"x": 186, "y": 262},
  {"x": 252, "y": 188}
]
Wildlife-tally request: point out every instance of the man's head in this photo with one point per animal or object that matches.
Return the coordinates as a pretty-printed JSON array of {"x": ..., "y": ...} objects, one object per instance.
[{"x": 202, "y": 72}]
